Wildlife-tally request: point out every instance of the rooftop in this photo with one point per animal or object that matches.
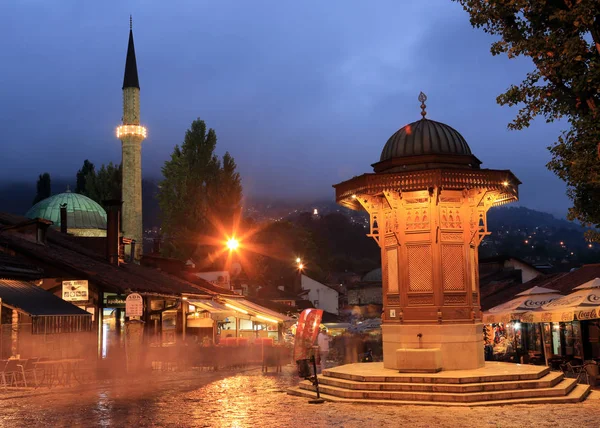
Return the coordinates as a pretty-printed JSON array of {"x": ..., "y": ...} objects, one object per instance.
[
  {"x": 34, "y": 300},
  {"x": 64, "y": 253}
]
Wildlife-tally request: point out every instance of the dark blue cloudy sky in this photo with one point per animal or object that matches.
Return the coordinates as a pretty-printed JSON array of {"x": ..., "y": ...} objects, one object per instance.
[{"x": 303, "y": 94}]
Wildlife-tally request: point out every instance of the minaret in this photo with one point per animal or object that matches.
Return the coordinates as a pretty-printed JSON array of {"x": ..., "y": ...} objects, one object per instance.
[{"x": 131, "y": 135}]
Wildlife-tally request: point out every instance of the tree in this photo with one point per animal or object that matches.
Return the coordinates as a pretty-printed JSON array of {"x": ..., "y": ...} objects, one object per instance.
[
  {"x": 199, "y": 197},
  {"x": 562, "y": 38},
  {"x": 104, "y": 184},
  {"x": 87, "y": 168},
  {"x": 44, "y": 188}
]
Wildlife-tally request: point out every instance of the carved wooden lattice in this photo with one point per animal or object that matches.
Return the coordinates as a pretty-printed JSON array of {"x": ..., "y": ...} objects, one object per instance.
[
  {"x": 419, "y": 268},
  {"x": 455, "y": 300},
  {"x": 389, "y": 222},
  {"x": 420, "y": 300},
  {"x": 448, "y": 236},
  {"x": 453, "y": 272},
  {"x": 390, "y": 241},
  {"x": 417, "y": 218},
  {"x": 393, "y": 300},
  {"x": 450, "y": 218}
]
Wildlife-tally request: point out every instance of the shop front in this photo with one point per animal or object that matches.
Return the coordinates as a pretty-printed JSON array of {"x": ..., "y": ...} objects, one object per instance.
[
  {"x": 570, "y": 325},
  {"x": 509, "y": 339}
]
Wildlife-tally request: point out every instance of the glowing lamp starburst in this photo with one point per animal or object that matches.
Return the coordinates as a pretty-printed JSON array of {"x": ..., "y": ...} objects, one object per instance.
[{"x": 233, "y": 244}]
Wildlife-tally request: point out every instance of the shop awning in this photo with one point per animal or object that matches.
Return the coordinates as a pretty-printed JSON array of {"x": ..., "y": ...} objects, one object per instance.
[
  {"x": 36, "y": 301},
  {"x": 583, "y": 304},
  {"x": 255, "y": 312},
  {"x": 529, "y": 301},
  {"x": 217, "y": 310}
]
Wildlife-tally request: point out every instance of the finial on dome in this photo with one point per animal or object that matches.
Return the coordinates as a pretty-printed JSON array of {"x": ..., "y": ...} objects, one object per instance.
[
  {"x": 68, "y": 189},
  {"x": 423, "y": 98},
  {"x": 130, "y": 22}
]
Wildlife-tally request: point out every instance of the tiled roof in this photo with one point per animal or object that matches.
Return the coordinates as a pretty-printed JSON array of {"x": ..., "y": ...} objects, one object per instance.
[
  {"x": 561, "y": 282},
  {"x": 12, "y": 267},
  {"x": 508, "y": 290},
  {"x": 65, "y": 253}
]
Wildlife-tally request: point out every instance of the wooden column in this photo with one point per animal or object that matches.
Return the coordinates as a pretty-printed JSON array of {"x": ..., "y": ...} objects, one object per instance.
[{"x": 14, "y": 337}]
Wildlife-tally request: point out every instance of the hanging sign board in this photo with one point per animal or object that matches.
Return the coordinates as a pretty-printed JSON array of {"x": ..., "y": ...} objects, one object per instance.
[
  {"x": 114, "y": 302},
  {"x": 134, "y": 305},
  {"x": 75, "y": 291}
]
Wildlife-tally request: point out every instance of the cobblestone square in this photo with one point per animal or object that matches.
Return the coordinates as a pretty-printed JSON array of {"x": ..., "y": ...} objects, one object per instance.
[{"x": 250, "y": 398}]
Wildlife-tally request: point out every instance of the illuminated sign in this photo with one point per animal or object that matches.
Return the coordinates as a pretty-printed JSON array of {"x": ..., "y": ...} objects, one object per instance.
[
  {"x": 75, "y": 291},
  {"x": 134, "y": 305}
]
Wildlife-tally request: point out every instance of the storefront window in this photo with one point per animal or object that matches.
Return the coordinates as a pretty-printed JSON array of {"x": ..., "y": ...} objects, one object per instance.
[
  {"x": 534, "y": 337},
  {"x": 556, "y": 342},
  {"x": 577, "y": 342},
  {"x": 568, "y": 338},
  {"x": 169, "y": 323}
]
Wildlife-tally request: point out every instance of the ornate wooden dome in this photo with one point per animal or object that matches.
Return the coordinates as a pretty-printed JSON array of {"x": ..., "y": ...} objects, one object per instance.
[{"x": 425, "y": 144}]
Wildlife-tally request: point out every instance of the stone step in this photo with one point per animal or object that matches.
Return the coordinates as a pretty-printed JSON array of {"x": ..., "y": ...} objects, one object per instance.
[
  {"x": 563, "y": 388},
  {"x": 492, "y": 372},
  {"x": 576, "y": 394},
  {"x": 548, "y": 381}
]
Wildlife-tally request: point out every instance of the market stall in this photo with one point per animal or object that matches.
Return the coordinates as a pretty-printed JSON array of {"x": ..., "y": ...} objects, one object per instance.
[
  {"x": 570, "y": 324},
  {"x": 507, "y": 339}
]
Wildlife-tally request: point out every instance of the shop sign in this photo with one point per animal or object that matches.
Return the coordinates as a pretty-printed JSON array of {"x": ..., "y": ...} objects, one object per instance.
[
  {"x": 528, "y": 318},
  {"x": 566, "y": 316},
  {"x": 75, "y": 291},
  {"x": 115, "y": 302},
  {"x": 587, "y": 315},
  {"x": 134, "y": 305},
  {"x": 594, "y": 298}
]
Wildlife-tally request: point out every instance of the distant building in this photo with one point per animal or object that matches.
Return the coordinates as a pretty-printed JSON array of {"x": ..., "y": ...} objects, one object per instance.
[
  {"x": 320, "y": 295},
  {"x": 495, "y": 264},
  {"x": 218, "y": 278},
  {"x": 367, "y": 291}
]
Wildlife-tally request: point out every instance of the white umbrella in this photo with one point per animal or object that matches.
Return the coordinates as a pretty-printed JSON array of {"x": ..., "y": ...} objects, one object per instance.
[
  {"x": 527, "y": 301},
  {"x": 583, "y": 304}
]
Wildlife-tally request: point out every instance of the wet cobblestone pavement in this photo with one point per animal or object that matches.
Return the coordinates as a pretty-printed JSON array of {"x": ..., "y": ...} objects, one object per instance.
[{"x": 253, "y": 399}]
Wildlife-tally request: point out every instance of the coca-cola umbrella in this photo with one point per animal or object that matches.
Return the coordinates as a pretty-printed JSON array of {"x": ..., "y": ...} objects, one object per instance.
[
  {"x": 582, "y": 304},
  {"x": 528, "y": 301}
]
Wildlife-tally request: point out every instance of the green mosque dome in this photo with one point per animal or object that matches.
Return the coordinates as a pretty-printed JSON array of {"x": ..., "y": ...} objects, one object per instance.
[{"x": 82, "y": 212}]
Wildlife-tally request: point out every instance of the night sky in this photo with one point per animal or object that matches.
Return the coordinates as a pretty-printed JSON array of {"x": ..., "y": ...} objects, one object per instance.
[{"x": 303, "y": 94}]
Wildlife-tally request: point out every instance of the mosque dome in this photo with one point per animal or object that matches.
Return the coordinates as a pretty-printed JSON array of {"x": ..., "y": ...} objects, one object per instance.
[
  {"x": 82, "y": 212},
  {"x": 373, "y": 276},
  {"x": 425, "y": 137},
  {"x": 425, "y": 144}
]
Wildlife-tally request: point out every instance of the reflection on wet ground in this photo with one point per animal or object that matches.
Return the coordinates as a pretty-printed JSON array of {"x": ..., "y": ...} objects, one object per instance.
[{"x": 253, "y": 399}]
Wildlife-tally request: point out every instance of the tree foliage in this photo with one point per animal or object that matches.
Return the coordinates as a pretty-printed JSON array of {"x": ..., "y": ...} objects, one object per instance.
[
  {"x": 44, "y": 188},
  {"x": 199, "y": 196},
  {"x": 104, "y": 184},
  {"x": 327, "y": 245},
  {"x": 562, "y": 38},
  {"x": 87, "y": 168}
]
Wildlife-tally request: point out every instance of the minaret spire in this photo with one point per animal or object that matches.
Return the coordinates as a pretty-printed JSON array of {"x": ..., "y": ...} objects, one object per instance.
[
  {"x": 131, "y": 134},
  {"x": 130, "y": 80}
]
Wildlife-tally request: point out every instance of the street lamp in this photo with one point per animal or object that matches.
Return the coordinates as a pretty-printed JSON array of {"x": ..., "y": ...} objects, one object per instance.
[
  {"x": 233, "y": 244},
  {"x": 300, "y": 266}
]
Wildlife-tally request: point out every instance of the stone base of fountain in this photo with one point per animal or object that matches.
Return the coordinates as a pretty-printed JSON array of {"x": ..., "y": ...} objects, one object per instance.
[
  {"x": 493, "y": 384},
  {"x": 429, "y": 348}
]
